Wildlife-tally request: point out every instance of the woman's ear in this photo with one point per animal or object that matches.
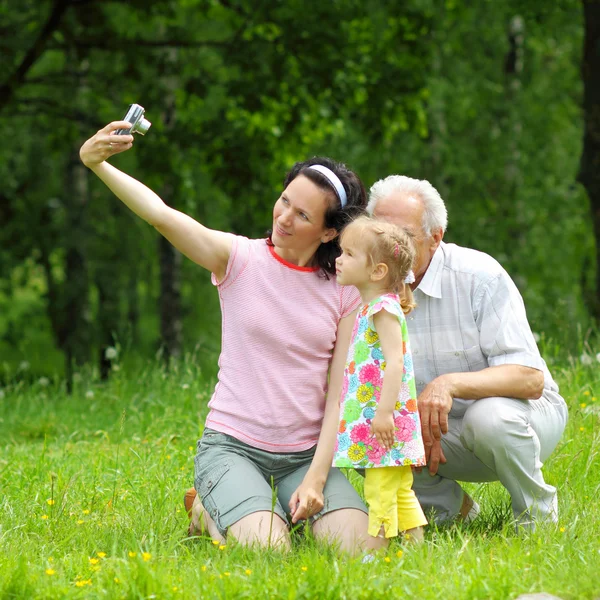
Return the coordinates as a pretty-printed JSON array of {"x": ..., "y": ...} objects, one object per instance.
[
  {"x": 330, "y": 234},
  {"x": 379, "y": 272}
]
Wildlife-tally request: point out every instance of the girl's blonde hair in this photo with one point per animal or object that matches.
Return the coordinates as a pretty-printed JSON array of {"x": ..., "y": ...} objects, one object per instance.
[{"x": 386, "y": 243}]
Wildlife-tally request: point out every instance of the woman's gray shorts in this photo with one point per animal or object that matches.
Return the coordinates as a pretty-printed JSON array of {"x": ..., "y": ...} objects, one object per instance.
[{"x": 234, "y": 480}]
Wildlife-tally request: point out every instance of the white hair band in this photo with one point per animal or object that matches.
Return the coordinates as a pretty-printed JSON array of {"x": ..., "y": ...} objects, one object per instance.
[{"x": 335, "y": 182}]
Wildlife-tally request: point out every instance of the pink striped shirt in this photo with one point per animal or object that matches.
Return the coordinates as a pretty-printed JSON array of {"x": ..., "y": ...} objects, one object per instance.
[{"x": 278, "y": 332}]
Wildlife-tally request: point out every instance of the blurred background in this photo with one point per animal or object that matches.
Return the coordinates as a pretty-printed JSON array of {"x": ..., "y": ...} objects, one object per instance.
[{"x": 497, "y": 103}]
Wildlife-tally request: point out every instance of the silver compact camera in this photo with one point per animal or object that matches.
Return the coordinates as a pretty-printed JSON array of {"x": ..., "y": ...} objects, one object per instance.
[{"x": 135, "y": 116}]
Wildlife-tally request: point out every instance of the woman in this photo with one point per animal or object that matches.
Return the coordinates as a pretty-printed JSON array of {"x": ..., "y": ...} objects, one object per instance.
[{"x": 268, "y": 443}]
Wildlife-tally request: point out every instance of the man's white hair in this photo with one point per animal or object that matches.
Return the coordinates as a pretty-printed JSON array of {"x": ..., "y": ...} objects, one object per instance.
[{"x": 435, "y": 214}]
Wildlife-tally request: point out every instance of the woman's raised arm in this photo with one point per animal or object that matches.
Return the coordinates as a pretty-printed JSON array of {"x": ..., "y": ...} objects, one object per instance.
[{"x": 207, "y": 247}]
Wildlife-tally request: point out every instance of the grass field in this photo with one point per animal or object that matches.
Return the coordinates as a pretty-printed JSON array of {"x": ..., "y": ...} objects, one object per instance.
[{"x": 91, "y": 507}]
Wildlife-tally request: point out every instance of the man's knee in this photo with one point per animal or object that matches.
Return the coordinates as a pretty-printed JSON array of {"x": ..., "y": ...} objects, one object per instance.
[{"x": 492, "y": 423}]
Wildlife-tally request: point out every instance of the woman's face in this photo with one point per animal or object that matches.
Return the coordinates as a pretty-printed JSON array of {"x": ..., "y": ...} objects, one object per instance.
[{"x": 299, "y": 216}]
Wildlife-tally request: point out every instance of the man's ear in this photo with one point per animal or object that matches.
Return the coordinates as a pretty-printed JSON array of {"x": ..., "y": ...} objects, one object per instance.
[
  {"x": 330, "y": 234},
  {"x": 437, "y": 237},
  {"x": 379, "y": 272}
]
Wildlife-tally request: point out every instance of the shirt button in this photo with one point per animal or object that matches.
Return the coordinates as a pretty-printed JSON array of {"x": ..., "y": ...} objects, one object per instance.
[
  {"x": 457, "y": 354},
  {"x": 415, "y": 352}
]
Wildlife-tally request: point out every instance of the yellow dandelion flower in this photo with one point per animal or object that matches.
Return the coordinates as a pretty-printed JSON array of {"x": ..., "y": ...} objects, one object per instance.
[
  {"x": 593, "y": 398},
  {"x": 146, "y": 556},
  {"x": 399, "y": 553},
  {"x": 203, "y": 568},
  {"x": 227, "y": 573},
  {"x": 50, "y": 571},
  {"x": 182, "y": 468},
  {"x": 174, "y": 588},
  {"x": 86, "y": 511},
  {"x": 44, "y": 517},
  {"x": 80, "y": 522},
  {"x": 50, "y": 502},
  {"x": 582, "y": 429},
  {"x": 387, "y": 559},
  {"x": 50, "y": 559},
  {"x": 248, "y": 572},
  {"x": 562, "y": 530},
  {"x": 222, "y": 547},
  {"x": 190, "y": 448},
  {"x": 88, "y": 582},
  {"x": 101, "y": 554},
  {"x": 117, "y": 580},
  {"x": 132, "y": 554},
  {"x": 168, "y": 457},
  {"x": 586, "y": 393},
  {"x": 216, "y": 542},
  {"x": 583, "y": 405},
  {"x": 80, "y": 583},
  {"x": 304, "y": 568},
  {"x": 356, "y": 452},
  {"x": 93, "y": 561}
]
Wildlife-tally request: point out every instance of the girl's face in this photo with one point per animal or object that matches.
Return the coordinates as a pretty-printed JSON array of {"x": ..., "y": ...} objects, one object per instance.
[
  {"x": 299, "y": 216},
  {"x": 352, "y": 266}
]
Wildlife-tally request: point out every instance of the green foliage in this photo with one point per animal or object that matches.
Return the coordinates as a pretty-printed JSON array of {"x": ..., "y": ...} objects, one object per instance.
[{"x": 481, "y": 98}]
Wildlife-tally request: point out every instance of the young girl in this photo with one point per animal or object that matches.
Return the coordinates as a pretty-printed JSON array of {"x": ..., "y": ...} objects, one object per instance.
[{"x": 380, "y": 430}]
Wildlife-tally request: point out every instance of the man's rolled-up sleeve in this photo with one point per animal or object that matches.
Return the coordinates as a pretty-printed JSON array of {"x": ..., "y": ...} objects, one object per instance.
[{"x": 505, "y": 334}]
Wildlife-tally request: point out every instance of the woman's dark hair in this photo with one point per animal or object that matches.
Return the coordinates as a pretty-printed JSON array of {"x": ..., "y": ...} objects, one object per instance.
[{"x": 335, "y": 216}]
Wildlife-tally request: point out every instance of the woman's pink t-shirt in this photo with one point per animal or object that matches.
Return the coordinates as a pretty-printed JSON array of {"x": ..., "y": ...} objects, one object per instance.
[{"x": 279, "y": 328}]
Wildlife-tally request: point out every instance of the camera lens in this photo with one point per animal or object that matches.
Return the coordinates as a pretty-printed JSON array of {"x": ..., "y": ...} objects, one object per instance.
[{"x": 141, "y": 126}]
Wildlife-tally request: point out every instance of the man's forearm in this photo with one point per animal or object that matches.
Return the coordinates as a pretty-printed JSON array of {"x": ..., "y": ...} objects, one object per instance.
[{"x": 508, "y": 381}]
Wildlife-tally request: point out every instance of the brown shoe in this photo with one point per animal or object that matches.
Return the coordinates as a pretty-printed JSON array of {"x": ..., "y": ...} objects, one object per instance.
[
  {"x": 188, "y": 502},
  {"x": 469, "y": 509}
]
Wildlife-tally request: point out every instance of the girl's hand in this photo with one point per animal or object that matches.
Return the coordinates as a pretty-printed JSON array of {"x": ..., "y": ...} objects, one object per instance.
[
  {"x": 306, "y": 501},
  {"x": 382, "y": 427},
  {"x": 105, "y": 144}
]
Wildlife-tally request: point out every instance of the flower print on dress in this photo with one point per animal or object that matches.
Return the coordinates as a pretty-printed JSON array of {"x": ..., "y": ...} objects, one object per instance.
[
  {"x": 408, "y": 364},
  {"x": 369, "y": 413},
  {"x": 404, "y": 428},
  {"x": 370, "y": 373},
  {"x": 365, "y": 374},
  {"x": 356, "y": 452},
  {"x": 360, "y": 433},
  {"x": 361, "y": 352},
  {"x": 352, "y": 410},
  {"x": 343, "y": 441},
  {"x": 376, "y": 452},
  {"x": 371, "y": 337},
  {"x": 364, "y": 393},
  {"x": 377, "y": 353}
]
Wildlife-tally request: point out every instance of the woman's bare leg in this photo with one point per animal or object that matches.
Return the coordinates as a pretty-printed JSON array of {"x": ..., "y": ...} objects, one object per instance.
[{"x": 347, "y": 528}]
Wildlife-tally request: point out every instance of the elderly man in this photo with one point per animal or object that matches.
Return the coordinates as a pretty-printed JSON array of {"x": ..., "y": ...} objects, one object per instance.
[{"x": 490, "y": 409}]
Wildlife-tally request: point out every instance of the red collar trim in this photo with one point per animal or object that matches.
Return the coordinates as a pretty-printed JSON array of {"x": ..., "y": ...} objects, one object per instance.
[{"x": 289, "y": 264}]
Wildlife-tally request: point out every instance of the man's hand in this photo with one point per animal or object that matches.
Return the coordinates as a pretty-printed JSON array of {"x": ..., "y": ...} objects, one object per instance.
[
  {"x": 435, "y": 402},
  {"x": 434, "y": 455},
  {"x": 307, "y": 500},
  {"x": 382, "y": 427}
]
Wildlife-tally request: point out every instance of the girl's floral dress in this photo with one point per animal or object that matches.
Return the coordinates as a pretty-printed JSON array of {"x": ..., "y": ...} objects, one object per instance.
[{"x": 363, "y": 377}]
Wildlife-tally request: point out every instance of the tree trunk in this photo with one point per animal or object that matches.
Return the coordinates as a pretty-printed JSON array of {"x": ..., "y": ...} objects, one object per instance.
[
  {"x": 589, "y": 170},
  {"x": 68, "y": 305},
  {"x": 171, "y": 327}
]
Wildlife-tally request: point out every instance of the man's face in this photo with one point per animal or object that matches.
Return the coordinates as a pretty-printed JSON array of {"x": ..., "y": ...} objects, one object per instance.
[{"x": 407, "y": 212}]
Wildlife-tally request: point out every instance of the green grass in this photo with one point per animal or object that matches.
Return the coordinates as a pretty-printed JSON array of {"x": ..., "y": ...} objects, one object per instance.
[{"x": 91, "y": 507}]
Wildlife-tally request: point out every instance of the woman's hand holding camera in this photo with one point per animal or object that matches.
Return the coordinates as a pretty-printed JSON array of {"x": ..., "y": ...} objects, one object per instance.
[{"x": 105, "y": 144}]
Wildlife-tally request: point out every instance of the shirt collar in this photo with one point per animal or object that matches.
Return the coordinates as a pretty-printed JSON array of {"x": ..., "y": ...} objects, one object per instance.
[{"x": 431, "y": 284}]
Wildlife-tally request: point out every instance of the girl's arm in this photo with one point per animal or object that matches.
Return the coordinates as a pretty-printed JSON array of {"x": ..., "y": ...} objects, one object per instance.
[
  {"x": 390, "y": 336},
  {"x": 207, "y": 247},
  {"x": 307, "y": 500}
]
